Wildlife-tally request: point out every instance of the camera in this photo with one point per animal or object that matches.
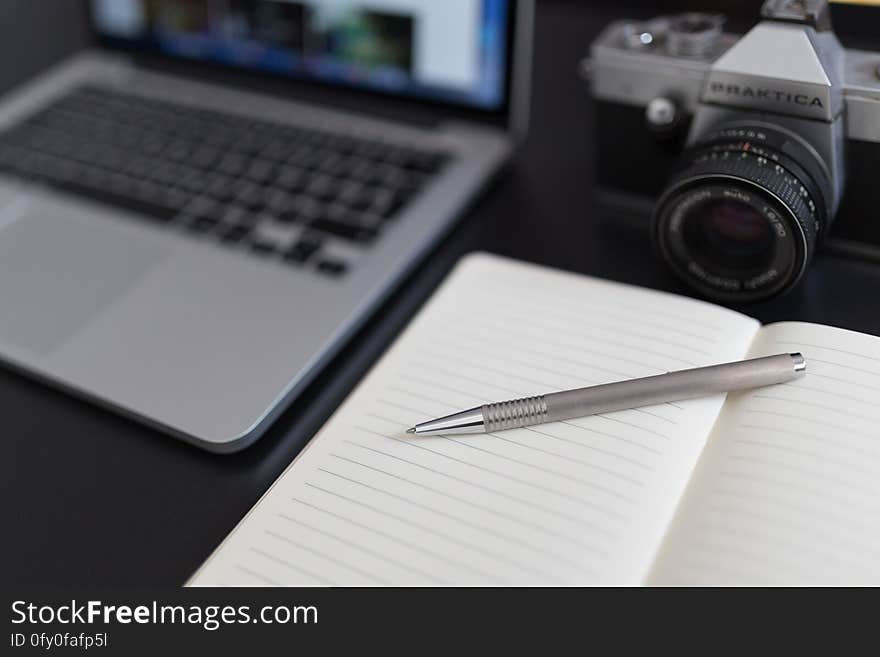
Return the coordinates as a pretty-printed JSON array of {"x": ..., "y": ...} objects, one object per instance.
[{"x": 754, "y": 150}]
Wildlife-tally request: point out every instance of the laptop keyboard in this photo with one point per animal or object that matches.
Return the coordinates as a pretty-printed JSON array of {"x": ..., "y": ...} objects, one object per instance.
[{"x": 294, "y": 194}]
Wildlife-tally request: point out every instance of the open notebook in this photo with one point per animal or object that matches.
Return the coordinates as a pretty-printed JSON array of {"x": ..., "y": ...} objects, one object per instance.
[{"x": 776, "y": 485}]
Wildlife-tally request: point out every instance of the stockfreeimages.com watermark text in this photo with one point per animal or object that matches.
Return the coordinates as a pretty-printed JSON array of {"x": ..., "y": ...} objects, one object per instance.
[{"x": 209, "y": 617}]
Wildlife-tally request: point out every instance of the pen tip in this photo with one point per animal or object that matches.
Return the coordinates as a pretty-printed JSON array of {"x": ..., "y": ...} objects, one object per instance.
[{"x": 411, "y": 430}]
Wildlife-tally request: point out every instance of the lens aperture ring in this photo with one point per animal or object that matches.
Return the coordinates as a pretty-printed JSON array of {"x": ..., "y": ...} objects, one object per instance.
[{"x": 792, "y": 191}]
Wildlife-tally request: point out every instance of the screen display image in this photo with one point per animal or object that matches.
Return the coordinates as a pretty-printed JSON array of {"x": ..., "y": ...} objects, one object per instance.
[{"x": 453, "y": 51}]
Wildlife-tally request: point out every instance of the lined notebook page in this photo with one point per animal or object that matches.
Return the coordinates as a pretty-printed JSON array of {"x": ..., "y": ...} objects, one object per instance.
[
  {"x": 788, "y": 489},
  {"x": 566, "y": 503}
]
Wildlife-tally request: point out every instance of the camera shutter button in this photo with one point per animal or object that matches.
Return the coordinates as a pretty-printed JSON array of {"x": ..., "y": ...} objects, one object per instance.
[
  {"x": 662, "y": 113},
  {"x": 665, "y": 120}
]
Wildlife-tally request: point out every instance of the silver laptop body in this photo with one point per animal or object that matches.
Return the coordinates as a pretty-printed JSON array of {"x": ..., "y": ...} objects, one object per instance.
[{"x": 205, "y": 342}]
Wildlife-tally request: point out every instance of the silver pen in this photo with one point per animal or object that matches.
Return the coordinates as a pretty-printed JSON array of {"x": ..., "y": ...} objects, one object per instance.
[{"x": 659, "y": 389}]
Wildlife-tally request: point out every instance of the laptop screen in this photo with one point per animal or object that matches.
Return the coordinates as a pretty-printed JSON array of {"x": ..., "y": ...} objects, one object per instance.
[{"x": 453, "y": 51}]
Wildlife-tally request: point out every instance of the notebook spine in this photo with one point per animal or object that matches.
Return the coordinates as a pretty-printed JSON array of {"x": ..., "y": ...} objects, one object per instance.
[{"x": 515, "y": 413}]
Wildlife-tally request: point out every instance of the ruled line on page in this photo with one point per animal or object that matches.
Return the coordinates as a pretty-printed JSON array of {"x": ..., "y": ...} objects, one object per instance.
[
  {"x": 710, "y": 569},
  {"x": 510, "y": 498},
  {"x": 459, "y": 564},
  {"x": 773, "y": 482},
  {"x": 754, "y": 501},
  {"x": 494, "y": 555},
  {"x": 863, "y": 386},
  {"x": 802, "y": 345},
  {"x": 570, "y": 363},
  {"x": 288, "y": 564},
  {"x": 829, "y": 393},
  {"x": 257, "y": 576},
  {"x": 587, "y": 331},
  {"x": 842, "y": 366},
  {"x": 359, "y": 548},
  {"x": 824, "y": 457},
  {"x": 482, "y": 507},
  {"x": 571, "y": 346},
  {"x": 793, "y": 416},
  {"x": 811, "y": 473},
  {"x": 802, "y": 403},
  {"x": 323, "y": 555},
  {"x": 607, "y": 491},
  {"x": 613, "y": 455},
  {"x": 395, "y": 539},
  {"x": 495, "y": 350},
  {"x": 760, "y": 541},
  {"x": 590, "y": 432},
  {"x": 592, "y": 300},
  {"x": 800, "y": 535},
  {"x": 530, "y": 484}
]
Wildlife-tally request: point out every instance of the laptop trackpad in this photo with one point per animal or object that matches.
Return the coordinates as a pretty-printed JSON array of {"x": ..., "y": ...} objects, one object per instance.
[{"x": 56, "y": 272}]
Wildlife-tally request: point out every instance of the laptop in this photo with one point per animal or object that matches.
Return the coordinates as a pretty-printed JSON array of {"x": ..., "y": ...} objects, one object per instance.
[{"x": 188, "y": 251}]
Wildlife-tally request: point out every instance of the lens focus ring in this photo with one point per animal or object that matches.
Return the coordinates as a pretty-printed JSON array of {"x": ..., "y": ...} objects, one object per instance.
[{"x": 770, "y": 176}]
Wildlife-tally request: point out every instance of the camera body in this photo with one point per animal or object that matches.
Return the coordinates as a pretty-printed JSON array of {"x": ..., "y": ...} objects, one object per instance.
[{"x": 752, "y": 149}]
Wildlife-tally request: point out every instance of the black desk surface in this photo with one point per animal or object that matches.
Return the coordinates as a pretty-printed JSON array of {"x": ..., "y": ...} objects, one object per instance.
[{"x": 93, "y": 499}]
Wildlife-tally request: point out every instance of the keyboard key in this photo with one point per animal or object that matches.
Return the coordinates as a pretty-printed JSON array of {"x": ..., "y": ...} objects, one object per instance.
[
  {"x": 291, "y": 178},
  {"x": 383, "y": 202},
  {"x": 304, "y": 156},
  {"x": 237, "y": 214},
  {"x": 235, "y": 234},
  {"x": 302, "y": 209},
  {"x": 333, "y": 164},
  {"x": 371, "y": 150},
  {"x": 282, "y": 236},
  {"x": 302, "y": 250},
  {"x": 263, "y": 247},
  {"x": 250, "y": 194},
  {"x": 277, "y": 202},
  {"x": 138, "y": 205},
  {"x": 232, "y": 164},
  {"x": 194, "y": 180},
  {"x": 201, "y": 224},
  {"x": 322, "y": 186},
  {"x": 361, "y": 169},
  {"x": 277, "y": 150},
  {"x": 352, "y": 226},
  {"x": 203, "y": 206},
  {"x": 174, "y": 198},
  {"x": 260, "y": 171},
  {"x": 166, "y": 173},
  {"x": 426, "y": 162},
  {"x": 352, "y": 193},
  {"x": 332, "y": 267},
  {"x": 179, "y": 150},
  {"x": 205, "y": 157},
  {"x": 219, "y": 187}
]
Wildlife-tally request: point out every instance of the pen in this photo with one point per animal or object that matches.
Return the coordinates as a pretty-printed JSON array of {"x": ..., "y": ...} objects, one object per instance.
[{"x": 622, "y": 395}]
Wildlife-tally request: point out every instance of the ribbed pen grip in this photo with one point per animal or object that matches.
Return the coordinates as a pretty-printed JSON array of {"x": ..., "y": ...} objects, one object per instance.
[{"x": 514, "y": 414}]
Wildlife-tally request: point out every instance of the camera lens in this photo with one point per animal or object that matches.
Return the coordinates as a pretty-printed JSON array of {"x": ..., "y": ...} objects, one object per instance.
[
  {"x": 729, "y": 235},
  {"x": 741, "y": 217}
]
